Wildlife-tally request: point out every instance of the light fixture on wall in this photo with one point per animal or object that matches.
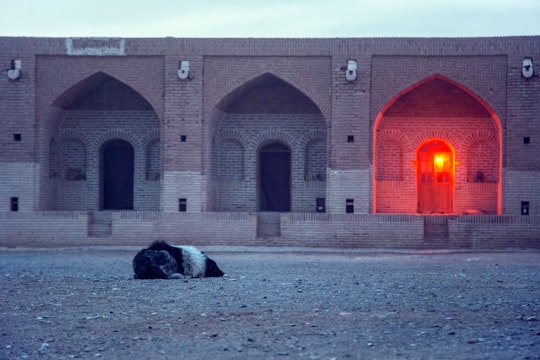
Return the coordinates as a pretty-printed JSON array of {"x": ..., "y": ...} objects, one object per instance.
[
  {"x": 14, "y": 73},
  {"x": 183, "y": 70},
  {"x": 527, "y": 71},
  {"x": 350, "y": 73}
]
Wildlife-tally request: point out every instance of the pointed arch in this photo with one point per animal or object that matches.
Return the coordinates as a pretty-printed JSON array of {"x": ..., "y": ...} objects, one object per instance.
[
  {"x": 266, "y": 109},
  {"x": 270, "y": 79},
  {"x": 422, "y": 105},
  {"x": 103, "y": 92},
  {"x": 437, "y": 76},
  {"x": 291, "y": 98}
]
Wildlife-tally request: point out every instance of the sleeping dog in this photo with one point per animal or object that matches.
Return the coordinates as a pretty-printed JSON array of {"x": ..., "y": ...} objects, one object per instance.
[{"x": 163, "y": 261}]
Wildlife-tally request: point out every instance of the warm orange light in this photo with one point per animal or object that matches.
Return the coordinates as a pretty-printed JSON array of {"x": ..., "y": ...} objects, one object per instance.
[{"x": 440, "y": 162}]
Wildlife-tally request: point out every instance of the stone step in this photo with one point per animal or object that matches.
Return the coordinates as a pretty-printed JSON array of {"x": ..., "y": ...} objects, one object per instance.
[{"x": 100, "y": 224}]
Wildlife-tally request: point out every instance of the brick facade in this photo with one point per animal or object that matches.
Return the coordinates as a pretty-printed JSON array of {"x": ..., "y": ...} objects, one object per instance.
[{"x": 197, "y": 145}]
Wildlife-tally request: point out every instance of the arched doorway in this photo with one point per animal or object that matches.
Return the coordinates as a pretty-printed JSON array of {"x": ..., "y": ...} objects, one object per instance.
[
  {"x": 117, "y": 175},
  {"x": 275, "y": 178},
  {"x": 263, "y": 110},
  {"x": 435, "y": 178}
]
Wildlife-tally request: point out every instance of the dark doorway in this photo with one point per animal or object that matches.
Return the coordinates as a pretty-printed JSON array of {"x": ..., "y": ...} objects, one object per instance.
[
  {"x": 117, "y": 176},
  {"x": 275, "y": 178}
]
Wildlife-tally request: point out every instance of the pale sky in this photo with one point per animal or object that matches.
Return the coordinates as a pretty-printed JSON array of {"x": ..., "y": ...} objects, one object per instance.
[{"x": 274, "y": 18}]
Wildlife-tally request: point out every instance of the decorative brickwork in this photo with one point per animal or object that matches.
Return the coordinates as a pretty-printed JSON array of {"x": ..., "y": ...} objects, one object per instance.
[{"x": 360, "y": 154}]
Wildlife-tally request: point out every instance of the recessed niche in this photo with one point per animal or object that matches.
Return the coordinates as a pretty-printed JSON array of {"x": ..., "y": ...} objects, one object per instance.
[
  {"x": 349, "y": 206},
  {"x": 14, "y": 204},
  {"x": 182, "y": 205},
  {"x": 524, "y": 208}
]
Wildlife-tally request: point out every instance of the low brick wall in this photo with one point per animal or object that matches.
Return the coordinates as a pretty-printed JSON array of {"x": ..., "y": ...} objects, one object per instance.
[
  {"x": 491, "y": 231},
  {"x": 352, "y": 230},
  {"x": 38, "y": 229},
  {"x": 390, "y": 231},
  {"x": 210, "y": 228}
]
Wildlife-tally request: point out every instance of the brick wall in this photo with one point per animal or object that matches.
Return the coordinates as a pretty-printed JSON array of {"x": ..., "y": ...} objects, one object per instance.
[
  {"x": 400, "y": 231},
  {"x": 236, "y": 187},
  {"x": 17, "y": 181},
  {"x": 521, "y": 186},
  {"x": 81, "y": 138},
  {"x": 344, "y": 185},
  {"x": 201, "y": 124}
]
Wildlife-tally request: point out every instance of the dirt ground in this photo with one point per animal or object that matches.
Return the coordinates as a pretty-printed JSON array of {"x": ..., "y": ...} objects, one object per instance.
[{"x": 272, "y": 304}]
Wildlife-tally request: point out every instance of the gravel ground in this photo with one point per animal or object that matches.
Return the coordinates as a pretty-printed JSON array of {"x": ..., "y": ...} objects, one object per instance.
[{"x": 278, "y": 304}]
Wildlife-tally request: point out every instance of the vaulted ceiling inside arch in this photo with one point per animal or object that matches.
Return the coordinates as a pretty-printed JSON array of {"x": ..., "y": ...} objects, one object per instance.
[
  {"x": 268, "y": 94},
  {"x": 437, "y": 98},
  {"x": 101, "y": 92}
]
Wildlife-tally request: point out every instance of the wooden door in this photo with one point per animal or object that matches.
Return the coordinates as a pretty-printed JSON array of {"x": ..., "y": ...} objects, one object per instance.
[
  {"x": 435, "y": 178},
  {"x": 275, "y": 178}
]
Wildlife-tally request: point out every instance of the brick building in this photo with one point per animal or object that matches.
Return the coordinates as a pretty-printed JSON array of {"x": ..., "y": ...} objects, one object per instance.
[{"x": 390, "y": 142}]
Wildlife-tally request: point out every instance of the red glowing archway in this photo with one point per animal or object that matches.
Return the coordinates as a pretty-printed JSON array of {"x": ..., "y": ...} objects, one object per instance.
[{"x": 436, "y": 109}]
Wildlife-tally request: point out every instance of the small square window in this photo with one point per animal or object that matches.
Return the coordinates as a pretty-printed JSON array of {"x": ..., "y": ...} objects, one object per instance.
[
  {"x": 321, "y": 205},
  {"x": 14, "y": 204},
  {"x": 349, "y": 206},
  {"x": 524, "y": 208},
  {"x": 182, "y": 205},
  {"x": 527, "y": 140},
  {"x": 17, "y": 137},
  {"x": 350, "y": 138},
  {"x": 183, "y": 138}
]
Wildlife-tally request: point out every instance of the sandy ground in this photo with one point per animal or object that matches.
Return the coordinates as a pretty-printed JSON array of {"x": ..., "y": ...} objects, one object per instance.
[{"x": 85, "y": 304}]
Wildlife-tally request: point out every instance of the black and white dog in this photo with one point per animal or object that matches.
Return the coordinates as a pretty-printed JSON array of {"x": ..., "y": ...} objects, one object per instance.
[{"x": 163, "y": 261}]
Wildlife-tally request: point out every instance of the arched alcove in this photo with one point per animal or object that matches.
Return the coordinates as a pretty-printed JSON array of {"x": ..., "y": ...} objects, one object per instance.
[
  {"x": 435, "y": 108},
  {"x": 264, "y": 110},
  {"x": 101, "y": 92},
  {"x": 92, "y": 111}
]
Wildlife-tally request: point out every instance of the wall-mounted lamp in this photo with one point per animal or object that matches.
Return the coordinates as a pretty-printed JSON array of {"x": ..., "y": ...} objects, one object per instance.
[
  {"x": 350, "y": 73},
  {"x": 183, "y": 70},
  {"x": 527, "y": 71},
  {"x": 15, "y": 72}
]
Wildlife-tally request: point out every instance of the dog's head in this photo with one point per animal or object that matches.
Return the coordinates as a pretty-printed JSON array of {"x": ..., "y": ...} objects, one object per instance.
[{"x": 212, "y": 270}]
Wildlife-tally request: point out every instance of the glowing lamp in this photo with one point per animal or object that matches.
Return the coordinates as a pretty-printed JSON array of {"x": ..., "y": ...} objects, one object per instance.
[{"x": 439, "y": 162}]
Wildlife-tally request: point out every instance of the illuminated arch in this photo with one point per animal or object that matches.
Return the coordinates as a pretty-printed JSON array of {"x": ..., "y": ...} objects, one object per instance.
[{"x": 409, "y": 90}]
